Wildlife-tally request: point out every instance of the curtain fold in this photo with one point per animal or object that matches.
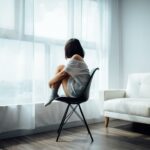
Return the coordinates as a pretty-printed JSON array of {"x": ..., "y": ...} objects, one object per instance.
[
  {"x": 17, "y": 57},
  {"x": 109, "y": 43}
]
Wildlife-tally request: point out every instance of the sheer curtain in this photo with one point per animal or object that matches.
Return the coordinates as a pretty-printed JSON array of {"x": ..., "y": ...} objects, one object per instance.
[
  {"x": 32, "y": 38},
  {"x": 17, "y": 59},
  {"x": 109, "y": 43}
]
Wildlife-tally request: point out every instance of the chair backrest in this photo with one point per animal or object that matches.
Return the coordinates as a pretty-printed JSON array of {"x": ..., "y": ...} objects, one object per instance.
[{"x": 85, "y": 94}]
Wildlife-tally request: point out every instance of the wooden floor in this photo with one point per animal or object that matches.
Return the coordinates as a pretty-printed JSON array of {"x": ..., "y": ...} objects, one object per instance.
[{"x": 120, "y": 135}]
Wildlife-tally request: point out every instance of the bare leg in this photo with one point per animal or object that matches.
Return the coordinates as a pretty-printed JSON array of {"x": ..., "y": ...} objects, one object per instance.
[
  {"x": 63, "y": 82},
  {"x": 106, "y": 121},
  {"x": 54, "y": 87},
  {"x": 59, "y": 68}
]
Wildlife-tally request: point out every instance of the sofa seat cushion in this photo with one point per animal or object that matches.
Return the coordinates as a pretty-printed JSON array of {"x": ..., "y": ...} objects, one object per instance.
[{"x": 133, "y": 106}]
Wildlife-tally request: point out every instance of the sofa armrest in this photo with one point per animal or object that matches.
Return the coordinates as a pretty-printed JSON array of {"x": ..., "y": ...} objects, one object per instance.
[{"x": 112, "y": 94}]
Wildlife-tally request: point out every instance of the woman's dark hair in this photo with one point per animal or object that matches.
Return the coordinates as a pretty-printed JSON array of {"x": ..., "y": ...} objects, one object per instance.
[{"x": 73, "y": 47}]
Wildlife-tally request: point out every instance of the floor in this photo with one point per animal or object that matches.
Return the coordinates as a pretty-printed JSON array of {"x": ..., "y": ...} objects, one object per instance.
[{"x": 120, "y": 135}]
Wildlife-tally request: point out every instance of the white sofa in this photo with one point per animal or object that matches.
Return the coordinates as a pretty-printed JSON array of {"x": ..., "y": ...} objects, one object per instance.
[{"x": 132, "y": 104}]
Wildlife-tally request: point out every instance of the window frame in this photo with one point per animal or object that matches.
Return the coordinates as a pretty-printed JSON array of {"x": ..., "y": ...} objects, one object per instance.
[{"x": 19, "y": 33}]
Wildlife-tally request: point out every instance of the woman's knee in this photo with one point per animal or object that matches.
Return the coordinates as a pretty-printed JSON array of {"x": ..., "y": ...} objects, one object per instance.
[{"x": 60, "y": 67}]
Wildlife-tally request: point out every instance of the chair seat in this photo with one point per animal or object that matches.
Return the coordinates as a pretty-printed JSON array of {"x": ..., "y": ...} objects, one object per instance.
[{"x": 71, "y": 100}]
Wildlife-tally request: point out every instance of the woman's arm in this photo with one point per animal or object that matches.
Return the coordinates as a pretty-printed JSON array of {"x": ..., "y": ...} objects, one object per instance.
[
  {"x": 58, "y": 77},
  {"x": 63, "y": 74}
]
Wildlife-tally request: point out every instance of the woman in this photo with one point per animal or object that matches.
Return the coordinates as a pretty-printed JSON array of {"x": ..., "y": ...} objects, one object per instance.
[{"x": 74, "y": 76}]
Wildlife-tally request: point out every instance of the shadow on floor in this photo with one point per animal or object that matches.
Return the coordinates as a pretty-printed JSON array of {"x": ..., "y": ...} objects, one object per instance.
[{"x": 136, "y": 127}]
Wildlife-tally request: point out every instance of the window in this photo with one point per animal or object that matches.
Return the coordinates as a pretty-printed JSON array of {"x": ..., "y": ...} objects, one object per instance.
[
  {"x": 30, "y": 54},
  {"x": 89, "y": 20},
  {"x": 20, "y": 68},
  {"x": 16, "y": 70},
  {"x": 7, "y": 17},
  {"x": 50, "y": 18}
]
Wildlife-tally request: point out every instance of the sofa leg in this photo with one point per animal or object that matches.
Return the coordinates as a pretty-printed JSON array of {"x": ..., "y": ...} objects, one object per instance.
[{"x": 106, "y": 121}]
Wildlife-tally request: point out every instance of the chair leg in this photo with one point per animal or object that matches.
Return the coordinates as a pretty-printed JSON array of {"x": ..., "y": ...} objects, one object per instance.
[
  {"x": 86, "y": 124},
  {"x": 106, "y": 121},
  {"x": 62, "y": 122},
  {"x": 70, "y": 114},
  {"x": 76, "y": 113}
]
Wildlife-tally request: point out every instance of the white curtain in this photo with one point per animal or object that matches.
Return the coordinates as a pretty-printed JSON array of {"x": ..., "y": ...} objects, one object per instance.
[
  {"x": 32, "y": 38},
  {"x": 17, "y": 67},
  {"x": 109, "y": 43}
]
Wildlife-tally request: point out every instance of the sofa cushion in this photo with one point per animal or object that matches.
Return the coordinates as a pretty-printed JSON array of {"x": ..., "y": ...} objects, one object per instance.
[
  {"x": 138, "y": 85},
  {"x": 133, "y": 106}
]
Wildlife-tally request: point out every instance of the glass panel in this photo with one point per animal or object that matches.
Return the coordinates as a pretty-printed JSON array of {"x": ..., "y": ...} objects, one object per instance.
[
  {"x": 89, "y": 20},
  {"x": 7, "y": 14},
  {"x": 19, "y": 82},
  {"x": 40, "y": 84},
  {"x": 50, "y": 18},
  {"x": 29, "y": 17},
  {"x": 16, "y": 70}
]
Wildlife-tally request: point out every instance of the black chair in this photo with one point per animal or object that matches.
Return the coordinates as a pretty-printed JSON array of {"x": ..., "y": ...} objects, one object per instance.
[{"x": 76, "y": 101}]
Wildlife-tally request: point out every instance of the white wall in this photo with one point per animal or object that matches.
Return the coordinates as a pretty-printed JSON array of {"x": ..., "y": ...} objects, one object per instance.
[{"x": 135, "y": 27}]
